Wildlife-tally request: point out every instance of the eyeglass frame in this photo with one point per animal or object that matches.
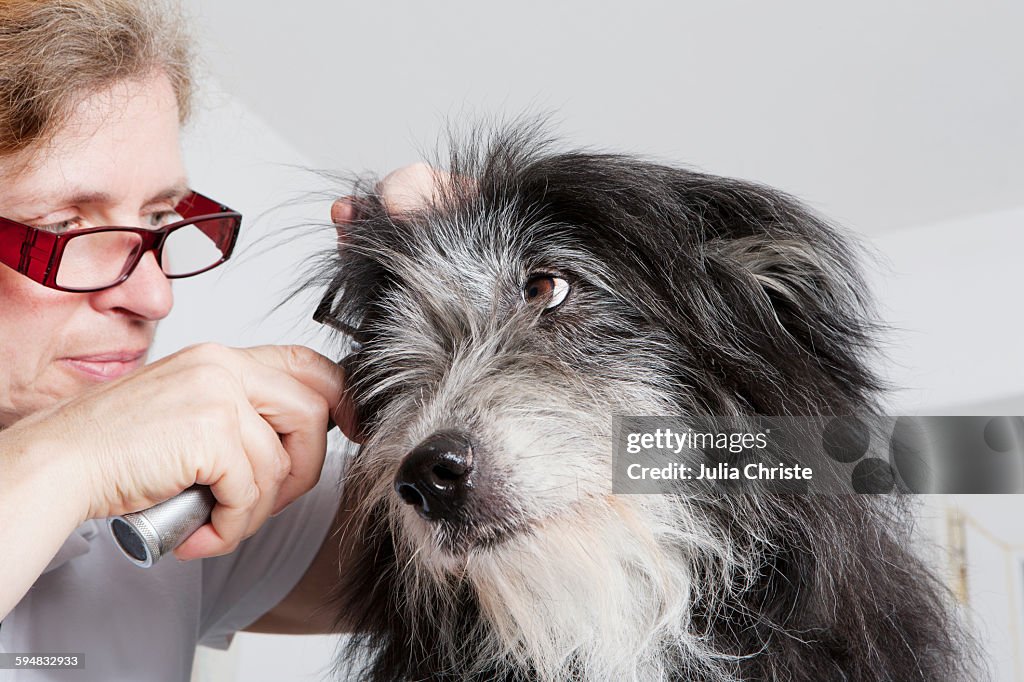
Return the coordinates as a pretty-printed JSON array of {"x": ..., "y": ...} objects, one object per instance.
[{"x": 38, "y": 253}]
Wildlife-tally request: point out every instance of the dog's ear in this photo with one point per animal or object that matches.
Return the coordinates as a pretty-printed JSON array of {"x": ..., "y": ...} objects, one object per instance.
[
  {"x": 792, "y": 293},
  {"x": 788, "y": 277}
]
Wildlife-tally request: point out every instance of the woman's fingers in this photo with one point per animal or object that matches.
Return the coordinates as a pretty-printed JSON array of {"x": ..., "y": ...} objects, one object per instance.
[
  {"x": 405, "y": 190},
  {"x": 291, "y": 390},
  {"x": 411, "y": 188},
  {"x": 257, "y": 484},
  {"x": 283, "y": 396},
  {"x": 343, "y": 212},
  {"x": 233, "y": 483},
  {"x": 319, "y": 373}
]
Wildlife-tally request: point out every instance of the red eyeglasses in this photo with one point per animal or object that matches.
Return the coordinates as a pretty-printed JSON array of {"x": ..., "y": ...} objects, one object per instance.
[{"x": 97, "y": 258}]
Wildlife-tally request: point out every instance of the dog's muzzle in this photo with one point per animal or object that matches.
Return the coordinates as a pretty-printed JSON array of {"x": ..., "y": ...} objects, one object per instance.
[{"x": 436, "y": 477}]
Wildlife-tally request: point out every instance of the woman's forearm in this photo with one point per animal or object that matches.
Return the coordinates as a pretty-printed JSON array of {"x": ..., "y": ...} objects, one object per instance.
[{"x": 38, "y": 511}]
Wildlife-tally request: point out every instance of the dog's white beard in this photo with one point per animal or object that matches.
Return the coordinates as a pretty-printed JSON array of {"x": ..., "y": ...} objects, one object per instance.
[{"x": 602, "y": 592}]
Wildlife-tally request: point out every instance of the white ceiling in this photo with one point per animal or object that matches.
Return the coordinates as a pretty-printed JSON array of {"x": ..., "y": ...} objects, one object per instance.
[{"x": 880, "y": 114}]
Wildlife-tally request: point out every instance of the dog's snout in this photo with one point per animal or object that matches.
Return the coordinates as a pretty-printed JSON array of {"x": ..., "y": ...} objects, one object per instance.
[{"x": 436, "y": 476}]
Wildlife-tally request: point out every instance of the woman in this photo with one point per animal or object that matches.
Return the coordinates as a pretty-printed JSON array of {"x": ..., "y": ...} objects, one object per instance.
[{"x": 92, "y": 95}]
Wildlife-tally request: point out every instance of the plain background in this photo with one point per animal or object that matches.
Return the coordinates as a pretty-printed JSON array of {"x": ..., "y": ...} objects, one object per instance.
[{"x": 903, "y": 122}]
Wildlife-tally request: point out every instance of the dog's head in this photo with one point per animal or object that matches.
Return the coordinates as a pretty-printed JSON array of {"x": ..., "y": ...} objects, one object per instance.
[
  {"x": 501, "y": 328},
  {"x": 497, "y": 332}
]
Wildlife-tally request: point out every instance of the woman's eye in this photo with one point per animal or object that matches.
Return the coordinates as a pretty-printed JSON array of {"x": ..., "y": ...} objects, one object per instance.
[
  {"x": 546, "y": 289},
  {"x": 161, "y": 218},
  {"x": 62, "y": 226}
]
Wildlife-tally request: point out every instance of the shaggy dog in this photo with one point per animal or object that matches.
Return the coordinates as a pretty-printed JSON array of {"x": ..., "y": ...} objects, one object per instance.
[{"x": 498, "y": 331}]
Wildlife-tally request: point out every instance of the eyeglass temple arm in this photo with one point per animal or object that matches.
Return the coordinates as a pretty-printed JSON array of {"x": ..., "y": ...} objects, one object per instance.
[
  {"x": 26, "y": 250},
  {"x": 195, "y": 204}
]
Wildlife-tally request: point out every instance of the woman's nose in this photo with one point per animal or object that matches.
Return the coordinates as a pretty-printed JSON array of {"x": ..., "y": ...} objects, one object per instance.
[{"x": 146, "y": 294}]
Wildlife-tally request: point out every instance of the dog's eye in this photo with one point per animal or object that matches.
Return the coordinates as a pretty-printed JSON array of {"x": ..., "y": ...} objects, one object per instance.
[{"x": 548, "y": 289}]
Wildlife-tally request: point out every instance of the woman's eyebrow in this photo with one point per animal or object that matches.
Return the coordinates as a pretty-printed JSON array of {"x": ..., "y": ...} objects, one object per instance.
[
  {"x": 58, "y": 202},
  {"x": 78, "y": 197},
  {"x": 175, "y": 192}
]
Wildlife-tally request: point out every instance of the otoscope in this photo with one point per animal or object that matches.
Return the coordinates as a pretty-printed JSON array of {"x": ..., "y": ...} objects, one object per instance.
[{"x": 145, "y": 536}]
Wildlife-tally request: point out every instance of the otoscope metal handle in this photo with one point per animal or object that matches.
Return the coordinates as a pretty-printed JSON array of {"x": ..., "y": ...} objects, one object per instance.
[{"x": 147, "y": 535}]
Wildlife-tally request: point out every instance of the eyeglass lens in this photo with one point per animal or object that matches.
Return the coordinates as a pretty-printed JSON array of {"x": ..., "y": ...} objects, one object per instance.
[
  {"x": 100, "y": 259},
  {"x": 197, "y": 247},
  {"x": 97, "y": 259}
]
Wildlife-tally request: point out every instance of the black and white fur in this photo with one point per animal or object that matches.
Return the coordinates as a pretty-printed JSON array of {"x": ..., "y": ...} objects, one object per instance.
[{"x": 690, "y": 294}]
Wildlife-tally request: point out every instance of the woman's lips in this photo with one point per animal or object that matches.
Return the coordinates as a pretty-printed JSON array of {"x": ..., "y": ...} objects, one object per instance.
[{"x": 107, "y": 366}]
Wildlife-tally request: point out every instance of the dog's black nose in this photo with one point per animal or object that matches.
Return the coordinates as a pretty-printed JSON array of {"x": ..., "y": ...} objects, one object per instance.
[{"x": 436, "y": 476}]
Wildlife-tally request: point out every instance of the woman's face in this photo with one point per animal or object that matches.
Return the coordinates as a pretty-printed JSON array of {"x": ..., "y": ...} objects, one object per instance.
[{"x": 116, "y": 161}]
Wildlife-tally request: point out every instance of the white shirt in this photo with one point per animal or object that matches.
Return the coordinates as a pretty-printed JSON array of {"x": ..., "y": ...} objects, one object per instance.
[{"x": 138, "y": 624}]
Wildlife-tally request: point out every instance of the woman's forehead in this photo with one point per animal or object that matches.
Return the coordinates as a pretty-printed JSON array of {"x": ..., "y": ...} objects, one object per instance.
[{"x": 120, "y": 145}]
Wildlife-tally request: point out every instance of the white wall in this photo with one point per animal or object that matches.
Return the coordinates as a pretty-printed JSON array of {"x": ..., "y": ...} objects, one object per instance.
[
  {"x": 952, "y": 292},
  {"x": 883, "y": 114}
]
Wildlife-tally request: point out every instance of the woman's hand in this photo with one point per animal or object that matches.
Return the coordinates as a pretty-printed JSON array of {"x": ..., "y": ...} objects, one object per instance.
[
  {"x": 405, "y": 190},
  {"x": 250, "y": 423}
]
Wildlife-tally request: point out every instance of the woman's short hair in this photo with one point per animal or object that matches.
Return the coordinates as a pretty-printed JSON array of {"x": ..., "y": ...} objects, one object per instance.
[{"x": 55, "y": 53}]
